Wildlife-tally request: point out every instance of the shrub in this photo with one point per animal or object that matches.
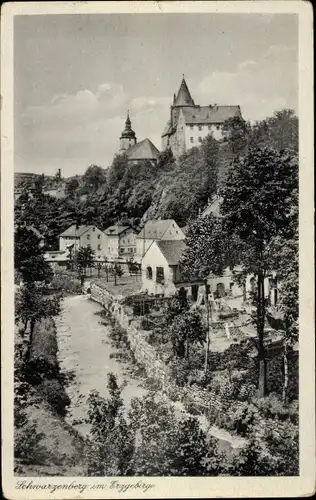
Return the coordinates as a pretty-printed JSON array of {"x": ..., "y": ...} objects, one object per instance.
[
  {"x": 55, "y": 395},
  {"x": 27, "y": 445},
  {"x": 243, "y": 417},
  {"x": 192, "y": 408},
  {"x": 69, "y": 284}
]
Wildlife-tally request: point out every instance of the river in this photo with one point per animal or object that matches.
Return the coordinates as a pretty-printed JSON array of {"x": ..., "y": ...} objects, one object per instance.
[{"x": 84, "y": 348}]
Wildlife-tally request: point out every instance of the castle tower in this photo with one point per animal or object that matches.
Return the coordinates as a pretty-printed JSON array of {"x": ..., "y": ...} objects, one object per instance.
[
  {"x": 128, "y": 137},
  {"x": 182, "y": 99}
]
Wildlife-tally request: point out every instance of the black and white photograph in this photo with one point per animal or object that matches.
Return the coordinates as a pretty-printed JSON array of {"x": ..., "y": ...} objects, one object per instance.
[{"x": 156, "y": 249}]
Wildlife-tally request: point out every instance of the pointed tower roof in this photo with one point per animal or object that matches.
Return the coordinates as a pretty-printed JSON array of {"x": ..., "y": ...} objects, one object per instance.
[
  {"x": 128, "y": 132},
  {"x": 184, "y": 97}
]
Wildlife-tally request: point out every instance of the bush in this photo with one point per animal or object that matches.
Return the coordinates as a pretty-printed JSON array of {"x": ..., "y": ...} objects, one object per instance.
[
  {"x": 193, "y": 408},
  {"x": 68, "y": 284},
  {"x": 27, "y": 445},
  {"x": 55, "y": 395},
  {"x": 272, "y": 407},
  {"x": 243, "y": 417}
]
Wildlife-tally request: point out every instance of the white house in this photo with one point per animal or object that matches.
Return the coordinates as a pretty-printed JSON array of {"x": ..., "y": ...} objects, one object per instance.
[
  {"x": 120, "y": 242},
  {"x": 76, "y": 237},
  {"x": 160, "y": 270},
  {"x": 154, "y": 230}
]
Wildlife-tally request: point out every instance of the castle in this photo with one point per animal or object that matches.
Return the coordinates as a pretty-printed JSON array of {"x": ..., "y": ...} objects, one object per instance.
[{"x": 189, "y": 123}]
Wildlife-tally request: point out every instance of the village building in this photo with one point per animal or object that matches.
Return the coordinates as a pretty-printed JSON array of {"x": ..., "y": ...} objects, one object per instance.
[
  {"x": 161, "y": 229},
  {"x": 120, "y": 242},
  {"x": 161, "y": 275},
  {"x": 135, "y": 151},
  {"x": 76, "y": 237},
  {"x": 189, "y": 123}
]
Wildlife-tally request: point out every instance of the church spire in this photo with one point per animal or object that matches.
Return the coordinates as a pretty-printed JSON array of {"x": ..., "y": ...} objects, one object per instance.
[
  {"x": 128, "y": 136},
  {"x": 183, "y": 97}
]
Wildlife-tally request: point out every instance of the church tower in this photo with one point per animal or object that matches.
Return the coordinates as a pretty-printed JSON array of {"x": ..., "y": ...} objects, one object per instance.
[{"x": 128, "y": 137}]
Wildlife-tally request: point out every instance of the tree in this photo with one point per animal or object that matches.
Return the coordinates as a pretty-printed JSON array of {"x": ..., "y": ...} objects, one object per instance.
[
  {"x": 186, "y": 329},
  {"x": 257, "y": 204},
  {"x": 154, "y": 423},
  {"x": 112, "y": 442},
  {"x": 195, "y": 456},
  {"x": 117, "y": 271},
  {"x": 72, "y": 186},
  {"x": 93, "y": 178},
  {"x": 32, "y": 304},
  {"x": 29, "y": 256},
  {"x": 84, "y": 258}
]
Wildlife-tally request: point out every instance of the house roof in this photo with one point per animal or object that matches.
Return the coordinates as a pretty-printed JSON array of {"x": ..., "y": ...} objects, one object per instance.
[
  {"x": 183, "y": 97},
  {"x": 209, "y": 114},
  {"x": 155, "y": 229},
  {"x": 35, "y": 231},
  {"x": 116, "y": 230},
  {"x": 143, "y": 150},
  {"x": 74, "y": 231},
  {"x": 213, "y": 208},
  {"x": 172, "y": 250}
]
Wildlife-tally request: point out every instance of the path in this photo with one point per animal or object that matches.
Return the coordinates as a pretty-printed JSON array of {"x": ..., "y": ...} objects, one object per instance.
[{"x": 84, "y": 348}]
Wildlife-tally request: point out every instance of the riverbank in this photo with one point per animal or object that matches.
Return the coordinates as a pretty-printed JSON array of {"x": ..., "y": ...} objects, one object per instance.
[{"x": 46, "y": 444}]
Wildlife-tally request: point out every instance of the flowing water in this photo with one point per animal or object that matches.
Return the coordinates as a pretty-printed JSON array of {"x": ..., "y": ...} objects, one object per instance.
[{"x": 84, "y": 348}]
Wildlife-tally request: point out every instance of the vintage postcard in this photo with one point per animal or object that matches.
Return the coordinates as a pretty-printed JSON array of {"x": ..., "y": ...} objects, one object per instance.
[{"x": 157, "y": 250}]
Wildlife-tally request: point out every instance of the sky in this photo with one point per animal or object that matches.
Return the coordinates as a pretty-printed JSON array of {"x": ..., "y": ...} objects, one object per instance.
[{"x": 76, "y": 75}]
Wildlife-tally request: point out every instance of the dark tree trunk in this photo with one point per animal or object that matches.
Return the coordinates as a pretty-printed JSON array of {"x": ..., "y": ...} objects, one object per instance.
[{"x": 260, "y": 331}]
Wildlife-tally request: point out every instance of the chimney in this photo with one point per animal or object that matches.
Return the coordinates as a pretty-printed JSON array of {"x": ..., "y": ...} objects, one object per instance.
[{"x": 59, "y": 173}]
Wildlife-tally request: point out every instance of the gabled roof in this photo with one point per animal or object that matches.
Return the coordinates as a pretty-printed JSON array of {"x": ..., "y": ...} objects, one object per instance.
[
  {"x": 155, "y": 229},
  {"x": 209, "y": 114},
  {"x": 143, "y": 150},
  {"x": 213, "y": 207},
  {"x": 184, "y": 97},
  {"x": 35, "y": 231},
  {"x": 116, "y": 230},
  {"x": 75, "y": 232},
  {"x": 172, "y": 250}
]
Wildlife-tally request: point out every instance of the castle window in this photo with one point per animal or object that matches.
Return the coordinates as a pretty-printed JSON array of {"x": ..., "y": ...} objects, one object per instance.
[
  {"x": 191, "y": 139},
  {"x": 200, "y": 139}
]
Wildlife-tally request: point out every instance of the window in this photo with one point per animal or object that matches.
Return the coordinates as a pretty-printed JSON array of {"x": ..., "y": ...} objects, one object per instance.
[
  {"x": 191, "y": 139},
  {"x": 200, "y": 139},
  {"x": 134, "y": 250},
  {"x": 128, "y": 240},
  {"x": 123, "y": 242},
  {"x": 93, "y": 229},
  {"x": 160, "y": 276},
  {"x": 210, "y": 127},
  {"x": 99, "y": 236},
  {"x": 130, "y": 249},
  {"x": 200, "y": 127},
  {"x": 231, "y": 285},
  {"x": 99, "y": 247},
  {"x": 191, "y": 127},
  {"x": 177, "y": 231},
  {"x": 88, "y": 236},
  {"x": 121, "y": 250},
  {"x": 217, "y": 127},
  {"x": 149, "y": 273}
]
